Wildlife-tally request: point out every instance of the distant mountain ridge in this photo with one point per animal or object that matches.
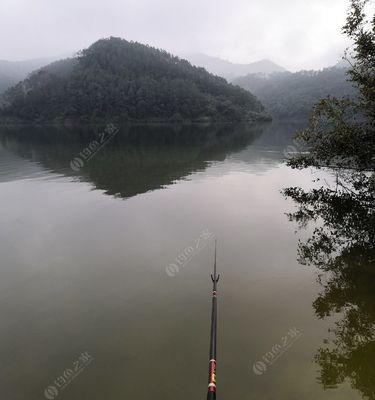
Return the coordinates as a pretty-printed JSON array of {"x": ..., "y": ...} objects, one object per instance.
[
  {"x": 293, "y": 95},
  {"x": 230, "y": 70},
  {"x": 118, "y": 80}
]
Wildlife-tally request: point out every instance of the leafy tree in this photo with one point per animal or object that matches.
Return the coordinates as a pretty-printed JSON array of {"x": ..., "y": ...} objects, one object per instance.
[{"x": 341, "y": 137}]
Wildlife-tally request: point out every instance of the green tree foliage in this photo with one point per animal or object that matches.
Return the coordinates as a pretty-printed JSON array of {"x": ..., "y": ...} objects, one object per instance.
[
  {"x": 341, "y": 132},
  {"x": 115, "y": 78},
  {"x": 341, "y": 137},
  {"x": 293, "y": 95}
]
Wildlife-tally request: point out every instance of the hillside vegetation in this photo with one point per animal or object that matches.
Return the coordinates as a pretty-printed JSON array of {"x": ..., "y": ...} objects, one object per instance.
[
  {"x": 11, "y": 72},
  {"x": 292, "y": 95},
  {"x": 120, "y": 80}
]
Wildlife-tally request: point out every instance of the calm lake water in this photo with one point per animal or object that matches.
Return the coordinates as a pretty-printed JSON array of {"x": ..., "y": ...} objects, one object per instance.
[{"x": 105, "y": 263}]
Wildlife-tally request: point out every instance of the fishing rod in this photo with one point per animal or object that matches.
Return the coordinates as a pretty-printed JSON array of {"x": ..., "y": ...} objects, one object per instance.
[{"x": 211, "y": 392}]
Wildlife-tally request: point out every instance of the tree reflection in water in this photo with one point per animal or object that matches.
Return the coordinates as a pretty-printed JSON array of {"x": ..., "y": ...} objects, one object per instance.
[{"x": 342, "y": 246}]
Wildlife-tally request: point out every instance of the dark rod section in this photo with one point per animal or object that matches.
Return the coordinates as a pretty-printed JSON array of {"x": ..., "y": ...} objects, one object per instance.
[{"x": 211, "y": 393}]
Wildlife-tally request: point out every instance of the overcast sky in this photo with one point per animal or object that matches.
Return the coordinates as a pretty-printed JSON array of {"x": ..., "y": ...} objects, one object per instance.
[{"x": 297, "y": 34}]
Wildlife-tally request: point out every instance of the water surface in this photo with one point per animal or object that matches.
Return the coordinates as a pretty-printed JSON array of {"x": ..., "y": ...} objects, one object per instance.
[{"x": 85, "y": 256}]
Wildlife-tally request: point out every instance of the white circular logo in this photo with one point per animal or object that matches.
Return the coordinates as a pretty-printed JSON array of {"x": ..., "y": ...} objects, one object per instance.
[
  {"x": 259, "y": 368},
  {"x": 76, "y": 164},
  {"x": 51, "y": 392},
  {"x": 172, "y": 270}
]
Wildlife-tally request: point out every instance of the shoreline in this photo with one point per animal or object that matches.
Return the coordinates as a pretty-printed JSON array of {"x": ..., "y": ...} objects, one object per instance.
[{"x": 9, "y": 123}]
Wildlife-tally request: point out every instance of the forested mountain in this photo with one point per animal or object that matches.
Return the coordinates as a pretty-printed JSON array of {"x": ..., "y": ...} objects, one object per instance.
[
  {"x": 289, "y": 94},
  {"x": 229, "y": 70},
  {"x": 120, "y": 80},
  {"x": 12, "y": 72}
]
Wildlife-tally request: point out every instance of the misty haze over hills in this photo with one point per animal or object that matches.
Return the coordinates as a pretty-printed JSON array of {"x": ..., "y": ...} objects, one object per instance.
[
  {"x": 230, "y": 70},
  {"x": 283, "y": 93},
  {"x": 11, "y": 72},
  {"x": 293, "y": 95}
]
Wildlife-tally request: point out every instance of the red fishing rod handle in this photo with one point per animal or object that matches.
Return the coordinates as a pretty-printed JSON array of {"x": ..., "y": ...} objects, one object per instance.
[{"x": 211, "y": 393}]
